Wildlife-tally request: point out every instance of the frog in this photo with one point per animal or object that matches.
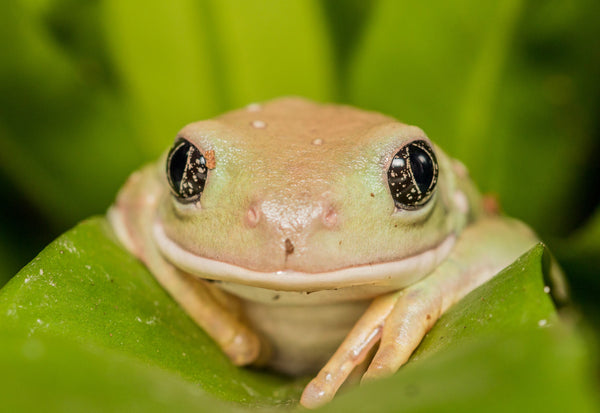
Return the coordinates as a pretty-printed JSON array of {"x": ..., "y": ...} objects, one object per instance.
[{"x": 312, "y": 238}]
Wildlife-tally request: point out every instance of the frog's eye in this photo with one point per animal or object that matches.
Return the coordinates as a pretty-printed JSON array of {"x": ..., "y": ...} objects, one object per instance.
[
  {"x": 186, "y": 171},
  {"x": 412, "y": 175}
]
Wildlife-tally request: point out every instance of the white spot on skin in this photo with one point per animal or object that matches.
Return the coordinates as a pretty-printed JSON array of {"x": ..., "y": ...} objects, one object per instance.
[
  {"x": 258, "y": 124},
  {"x": 317, "y": 141},
  {"x": 542, "y": 323},
  {"x": 41, "y": 272},
  {"x": 547, "y": 289},
  {"x": 254, "y": 107},
  {"x": 461, "y": 202},
  {"x": 151, "y": 199}
]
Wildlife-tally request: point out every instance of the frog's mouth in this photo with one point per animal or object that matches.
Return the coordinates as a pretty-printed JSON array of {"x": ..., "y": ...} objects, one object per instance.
[{"x": 399, "y": 273}]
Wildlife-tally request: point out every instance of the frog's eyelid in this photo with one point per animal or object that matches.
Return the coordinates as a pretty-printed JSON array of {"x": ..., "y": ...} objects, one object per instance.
[{"x": 419, "y": 215}]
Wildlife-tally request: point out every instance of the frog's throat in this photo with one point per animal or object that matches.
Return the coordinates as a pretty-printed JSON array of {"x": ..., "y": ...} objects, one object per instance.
[{"x": 398, "y": 274}]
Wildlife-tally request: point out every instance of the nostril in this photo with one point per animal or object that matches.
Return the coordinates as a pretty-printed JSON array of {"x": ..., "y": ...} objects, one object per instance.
[
  {"x": 252, "y": 216},
  {"x": 330, "y": 218}
]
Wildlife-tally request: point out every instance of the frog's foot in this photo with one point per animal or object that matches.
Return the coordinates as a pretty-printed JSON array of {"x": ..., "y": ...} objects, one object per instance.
[
  {"x": 399, "y": 320},
  {"x": 218, "y": 315}
]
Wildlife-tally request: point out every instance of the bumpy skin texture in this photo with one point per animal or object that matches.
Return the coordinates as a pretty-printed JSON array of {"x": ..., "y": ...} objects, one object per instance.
[{"x": 305, "y": 249}]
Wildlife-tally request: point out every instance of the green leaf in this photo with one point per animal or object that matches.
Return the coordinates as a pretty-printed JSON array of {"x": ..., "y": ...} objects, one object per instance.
[
  {"x": 543, "y": 370},
  {"x": 270, "y": 48},
  {"x": 165, "y": 61},
  {"x": 86, "y": 288},
  {"x": 51, "y": 374}
]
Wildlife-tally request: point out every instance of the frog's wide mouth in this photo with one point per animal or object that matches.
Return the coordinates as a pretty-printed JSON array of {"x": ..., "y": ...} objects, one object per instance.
[{"x": 399, "y": 273}]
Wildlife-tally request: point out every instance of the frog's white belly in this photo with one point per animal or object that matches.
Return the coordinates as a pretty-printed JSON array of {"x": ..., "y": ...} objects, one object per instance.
[{"x": 303, "y": 338}]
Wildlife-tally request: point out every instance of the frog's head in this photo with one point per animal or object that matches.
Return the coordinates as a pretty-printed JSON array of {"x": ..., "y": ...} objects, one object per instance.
[{"x": 298, "y": 196}]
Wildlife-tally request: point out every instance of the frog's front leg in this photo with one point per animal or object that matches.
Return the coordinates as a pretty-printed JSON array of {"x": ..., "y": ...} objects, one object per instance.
[
  {"x": 218, "y": 313},
  {"x": 400, "y": 320}
]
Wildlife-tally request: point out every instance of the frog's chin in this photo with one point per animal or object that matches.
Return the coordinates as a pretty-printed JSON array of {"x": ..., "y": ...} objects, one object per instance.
[{"x": 390, "y": 275}]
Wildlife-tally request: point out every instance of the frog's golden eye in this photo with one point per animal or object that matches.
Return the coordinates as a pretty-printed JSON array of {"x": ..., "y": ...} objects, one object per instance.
[
  {"x": 186, "y": 171},
  {"x": 412, "y": 175}
]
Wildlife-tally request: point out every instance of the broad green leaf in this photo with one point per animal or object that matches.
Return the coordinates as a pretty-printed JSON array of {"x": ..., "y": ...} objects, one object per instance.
[
  {"x": 543, "y": 370},
  {"x": 86, "y": 288},
  {"x": 499, "y": 85},
  {"x": 163, "y": 54},
  {"x": 51, "y": 374}
]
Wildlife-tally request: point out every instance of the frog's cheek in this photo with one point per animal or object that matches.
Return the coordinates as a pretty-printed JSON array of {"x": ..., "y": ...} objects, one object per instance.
[{"x": 395, "y": 274}]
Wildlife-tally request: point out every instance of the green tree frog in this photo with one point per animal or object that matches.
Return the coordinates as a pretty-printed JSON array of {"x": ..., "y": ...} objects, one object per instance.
[{"x": 313, "y": 237}]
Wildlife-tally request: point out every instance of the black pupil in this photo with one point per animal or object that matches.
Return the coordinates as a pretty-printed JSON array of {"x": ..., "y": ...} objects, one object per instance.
[
  {"x": 412, "y": 176},
  {"x": 186, "y": 170},
  {"x": 421, "y": 165}
]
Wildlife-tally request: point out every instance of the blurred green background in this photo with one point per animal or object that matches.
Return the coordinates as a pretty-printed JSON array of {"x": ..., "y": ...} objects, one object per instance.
[{"x": 91, "y": 90}]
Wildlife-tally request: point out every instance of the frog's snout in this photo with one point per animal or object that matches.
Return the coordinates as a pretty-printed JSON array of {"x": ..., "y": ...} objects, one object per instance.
[
  {"x": 288, "y": 231},
  {"x": 283, "y": 219}
]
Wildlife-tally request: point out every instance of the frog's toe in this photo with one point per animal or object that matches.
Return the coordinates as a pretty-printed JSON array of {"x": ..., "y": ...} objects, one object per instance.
[
  {"x": 316, "y": 394},
  {"x": 243, "y": 348},
  {"x": 413, "y": 316},
  {"x": 351, "y": 353}
]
